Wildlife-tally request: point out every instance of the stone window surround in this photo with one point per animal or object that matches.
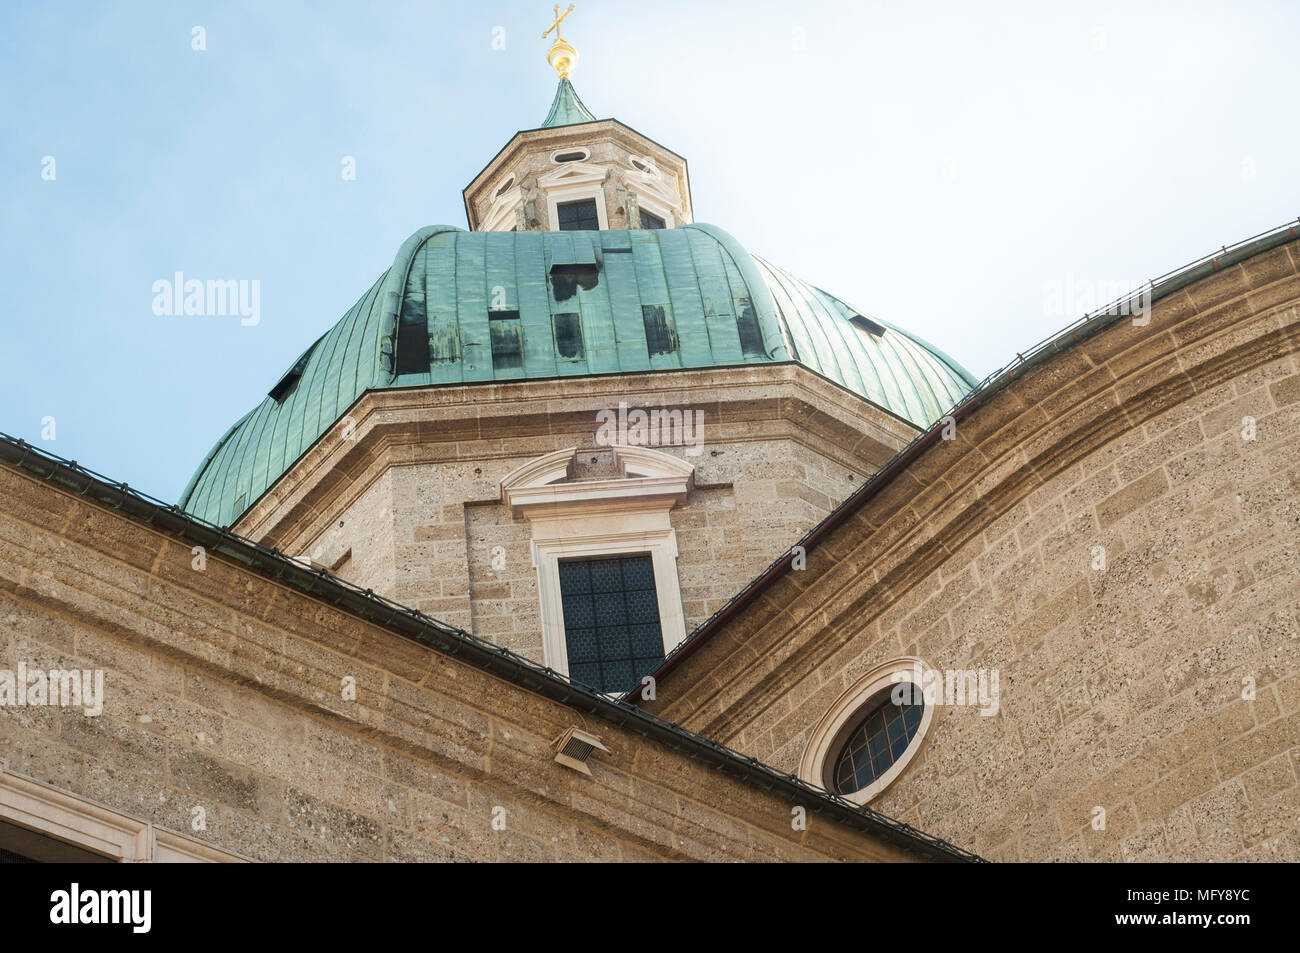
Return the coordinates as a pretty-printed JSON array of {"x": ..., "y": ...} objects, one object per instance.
[
  {"x": 569, "y": 150},
  {"x": 832, "y": 730},
  {"x": 26, "y": 802},
  {"x": 605, "y": 517},
  {"x": 573, "y": 182},
  {"x": 502, "y": 209},
  {"x": 651, "y": 192},
  {"x": 652, "y": 204}
]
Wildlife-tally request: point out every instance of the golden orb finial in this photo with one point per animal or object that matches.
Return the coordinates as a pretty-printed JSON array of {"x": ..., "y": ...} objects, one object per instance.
[{"x": 562, "y": 56}]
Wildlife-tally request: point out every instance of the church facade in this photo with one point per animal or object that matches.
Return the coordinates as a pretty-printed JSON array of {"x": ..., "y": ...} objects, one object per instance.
[{"x": 587, "y": 534}]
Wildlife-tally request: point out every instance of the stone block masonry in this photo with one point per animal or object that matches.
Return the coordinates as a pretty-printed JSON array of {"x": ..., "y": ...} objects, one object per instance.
[
  {"x": 1117, "y": 532},
  {"x": 304, "y": 732}
]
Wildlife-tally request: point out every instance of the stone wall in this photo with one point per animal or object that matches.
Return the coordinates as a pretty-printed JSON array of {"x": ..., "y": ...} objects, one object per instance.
[
  {"x": 1163, "y": 688},
  {"x": 223, "y": 692},
  {"x": 415, "y": 494}
]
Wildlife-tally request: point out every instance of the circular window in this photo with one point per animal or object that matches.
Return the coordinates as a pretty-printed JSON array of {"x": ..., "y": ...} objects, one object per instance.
[
  {"x": 867, "y": 737},
  {"x": 505, "y": 185},
  {"x": 881, "y": 737}
]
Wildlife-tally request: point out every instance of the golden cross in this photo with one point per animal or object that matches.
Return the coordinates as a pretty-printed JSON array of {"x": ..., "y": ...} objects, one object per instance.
[{"x": 559, "y": 18}]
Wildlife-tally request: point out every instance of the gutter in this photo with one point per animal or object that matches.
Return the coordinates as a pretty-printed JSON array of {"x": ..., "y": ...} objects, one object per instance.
[{"x": 68, "y": 477}]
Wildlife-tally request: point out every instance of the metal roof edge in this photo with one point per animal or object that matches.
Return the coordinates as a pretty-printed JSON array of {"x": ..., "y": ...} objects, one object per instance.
[
  {"x": 202, "y": 468},
  {"x": 394, "y": 289},
  {"x": 759, "y": 293}
]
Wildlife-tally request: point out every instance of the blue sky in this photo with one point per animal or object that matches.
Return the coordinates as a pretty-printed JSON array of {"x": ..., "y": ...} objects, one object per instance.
[{"x": 949, "y": 167}]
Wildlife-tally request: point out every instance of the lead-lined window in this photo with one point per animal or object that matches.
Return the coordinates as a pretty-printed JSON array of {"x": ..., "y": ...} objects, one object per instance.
[
  {"x": 612, "y": 629},
  {"x": 879, "y": 741},
  {"x": 578, "y": 216}
]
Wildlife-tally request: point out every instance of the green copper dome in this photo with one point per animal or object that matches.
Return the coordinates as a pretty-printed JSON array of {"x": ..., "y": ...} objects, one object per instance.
[
  {"x": 460, "y": 307},
  {"x": 889, "y": 367}
]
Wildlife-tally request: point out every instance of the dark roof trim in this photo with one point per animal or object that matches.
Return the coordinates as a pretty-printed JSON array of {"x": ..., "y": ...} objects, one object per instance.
[
  {"x": 412, "y": 624},
  {"x": 1086, "y": 327}
]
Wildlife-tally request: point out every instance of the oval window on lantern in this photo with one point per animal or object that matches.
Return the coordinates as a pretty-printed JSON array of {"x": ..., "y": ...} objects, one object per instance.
[{"x": 571, "y": 155}]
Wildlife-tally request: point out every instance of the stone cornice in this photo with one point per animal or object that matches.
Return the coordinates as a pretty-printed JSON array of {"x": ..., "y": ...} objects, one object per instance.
[
  {"x": 487, "y": 421},
  {"x": 589, "y": 495},
  {"x": 651, "y": 479}
]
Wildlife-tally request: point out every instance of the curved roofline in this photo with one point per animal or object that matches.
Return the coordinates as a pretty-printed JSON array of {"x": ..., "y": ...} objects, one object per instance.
[
  {"x": 887, "y": 366},
  {"x": 394, "y": 288},
  {"x": 405, "y": 256},
  {"x": 684, "y": 269},
  {"x": 970, "y": 379},
  {"x": 769, "y": 321},
  {"x": 202, "y": 467},
  {"x": 956, "y": 368},
  {"x": 1046, "y": 350}
]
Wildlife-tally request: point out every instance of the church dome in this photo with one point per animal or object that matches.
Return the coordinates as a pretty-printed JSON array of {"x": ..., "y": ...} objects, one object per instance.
[{"x": 460, "y": 307}]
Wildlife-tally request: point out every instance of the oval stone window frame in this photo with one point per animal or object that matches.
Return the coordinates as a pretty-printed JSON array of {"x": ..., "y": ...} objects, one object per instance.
[
  {"x": 833, "y": 729},
  {"x": 644, "y": 165},
  {"x": 571, "y": 154}
]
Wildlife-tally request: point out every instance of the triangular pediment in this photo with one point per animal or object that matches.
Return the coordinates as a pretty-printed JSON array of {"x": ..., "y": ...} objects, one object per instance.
[
  {"x": 653, "y": 186},
  {"x": 572, "y": 173},
  {"x": 502, "y": 207}
]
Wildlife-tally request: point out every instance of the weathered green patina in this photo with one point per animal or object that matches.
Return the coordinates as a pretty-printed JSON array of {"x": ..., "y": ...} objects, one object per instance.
[
  {"x": 567, "y": 109},
  {"x": 511, "y": 305}
]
